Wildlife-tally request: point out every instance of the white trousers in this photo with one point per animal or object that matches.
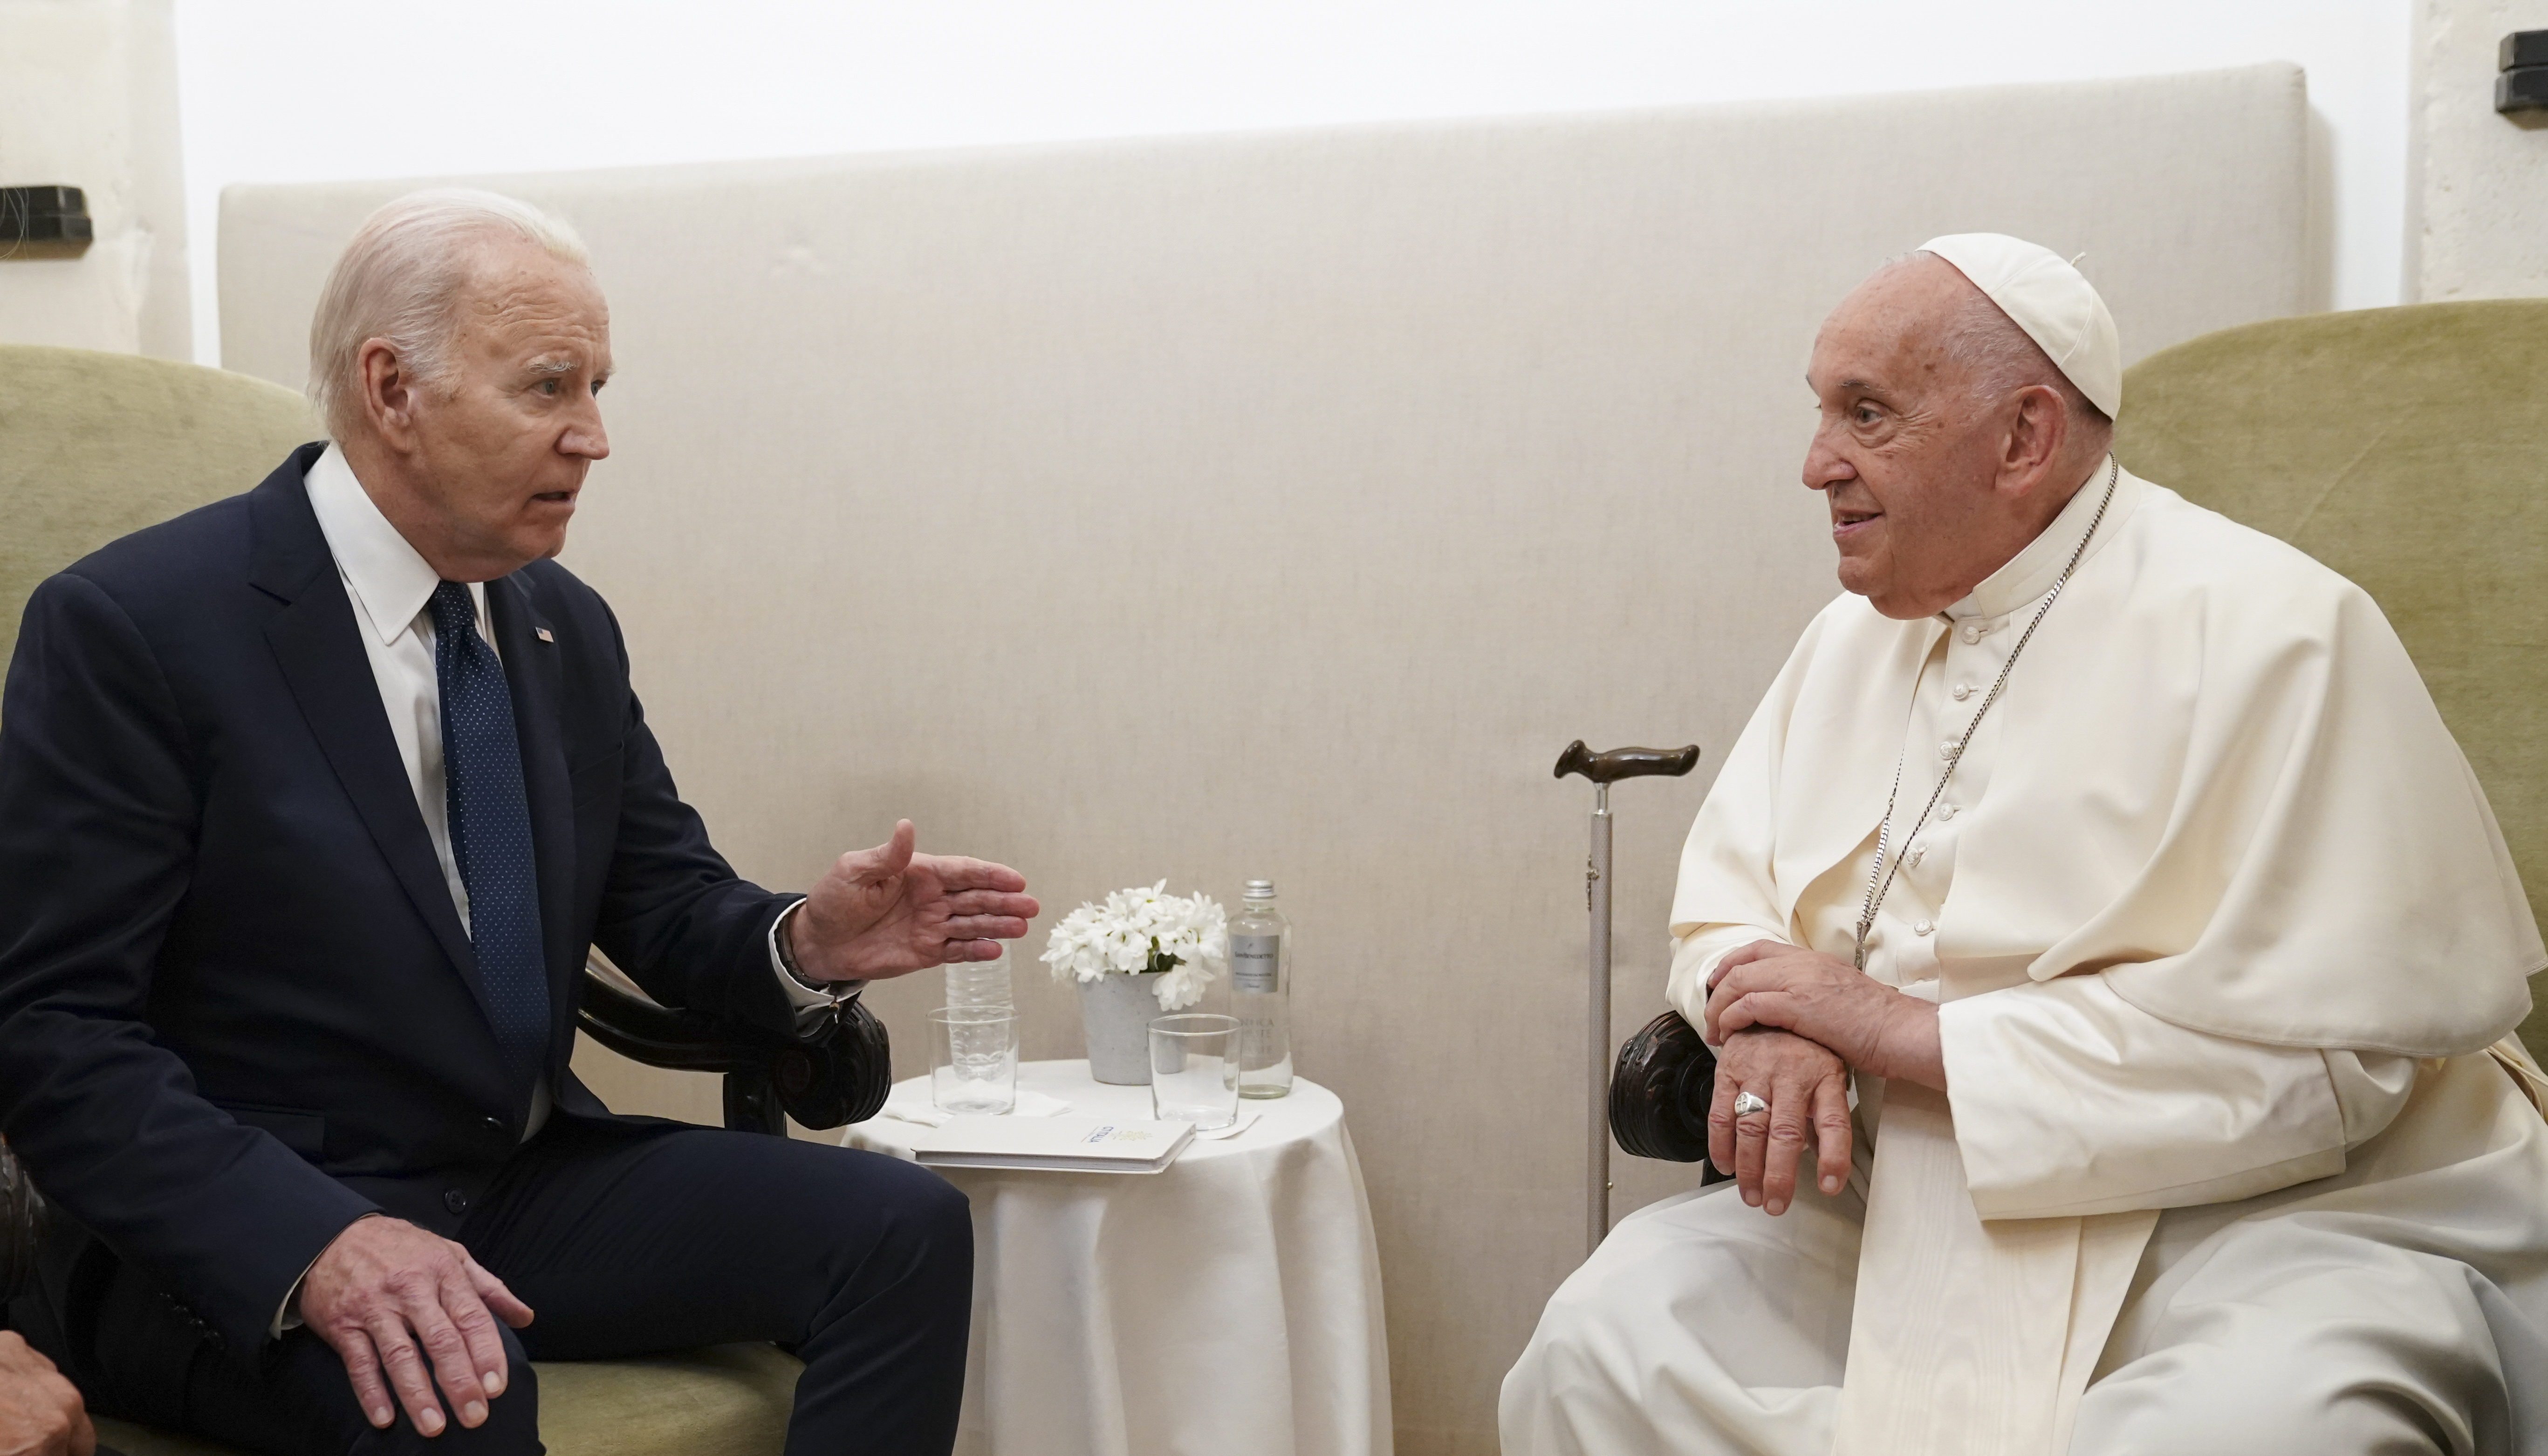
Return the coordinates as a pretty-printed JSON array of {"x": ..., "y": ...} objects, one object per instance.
[{"x": 1703, "y": 1327}]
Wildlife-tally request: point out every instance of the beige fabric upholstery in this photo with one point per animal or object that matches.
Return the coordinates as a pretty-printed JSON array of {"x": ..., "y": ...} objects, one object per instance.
[
  {"x": 1280, "y": 505},
  {"x": 722, "y": 1401}
]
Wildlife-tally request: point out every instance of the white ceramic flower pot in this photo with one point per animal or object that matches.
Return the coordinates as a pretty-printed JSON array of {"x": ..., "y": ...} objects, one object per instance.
[{"x": 1115, "y": 1012}]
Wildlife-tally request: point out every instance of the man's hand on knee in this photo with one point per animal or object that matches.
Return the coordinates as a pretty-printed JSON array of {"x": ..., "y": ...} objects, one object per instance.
[
  {"x": 40, "y": 1411},
  {"x": 1806, "y": 1090},
  {"x": 384, "y": 1288}
]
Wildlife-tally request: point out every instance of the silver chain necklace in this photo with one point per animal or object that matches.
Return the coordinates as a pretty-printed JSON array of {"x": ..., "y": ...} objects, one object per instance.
[{"x": 1880, "y": 876}]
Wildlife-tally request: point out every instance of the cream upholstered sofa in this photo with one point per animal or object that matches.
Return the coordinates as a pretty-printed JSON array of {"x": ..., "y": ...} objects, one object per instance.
[
  {"x": 1281, "y": 504},
  {"x": 94, "y": 445}
]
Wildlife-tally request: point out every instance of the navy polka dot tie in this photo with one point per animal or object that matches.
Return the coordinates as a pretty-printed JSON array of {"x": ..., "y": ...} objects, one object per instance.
[{"x": 490, "y": 827}]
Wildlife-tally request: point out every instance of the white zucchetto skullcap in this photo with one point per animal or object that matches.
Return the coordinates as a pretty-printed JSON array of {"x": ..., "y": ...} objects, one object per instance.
[{"x": 2045, "y": 296}]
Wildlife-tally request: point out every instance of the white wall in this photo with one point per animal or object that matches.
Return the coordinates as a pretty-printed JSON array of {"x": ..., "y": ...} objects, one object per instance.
[
  {"x": 310, "y": 90},
  {"x": 2477, "y": 202},
  {"x": 88, "y": 98}
]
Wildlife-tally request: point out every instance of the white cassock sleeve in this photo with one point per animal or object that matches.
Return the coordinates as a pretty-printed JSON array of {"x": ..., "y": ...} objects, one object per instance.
[{"x": 2069, "y": 1100}]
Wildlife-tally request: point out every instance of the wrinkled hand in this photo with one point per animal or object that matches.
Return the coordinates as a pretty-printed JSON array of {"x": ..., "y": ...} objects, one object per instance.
[
  {"x": 385, "y": 1287},
  {"x": 40, "y": 1411},
  {"x": 1807, "y": 1089},
  {"x": 888, "y": 912},
  {"x": 1872, "y": 1026}
]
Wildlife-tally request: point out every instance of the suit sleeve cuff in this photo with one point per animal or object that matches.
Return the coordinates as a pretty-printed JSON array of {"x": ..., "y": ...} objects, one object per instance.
[
  {"x": 808, "y": 997},
  {"x": 286, "y": 1317}
]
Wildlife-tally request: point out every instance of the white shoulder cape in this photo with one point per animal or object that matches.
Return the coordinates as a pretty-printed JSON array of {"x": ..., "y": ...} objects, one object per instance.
[{"x": 2221, "y": 781}]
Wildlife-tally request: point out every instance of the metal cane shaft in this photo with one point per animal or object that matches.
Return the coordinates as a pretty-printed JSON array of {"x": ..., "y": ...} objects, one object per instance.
[
  {"x": 1597, "y": 1099},
  {"x": 1604, "y": 769}
]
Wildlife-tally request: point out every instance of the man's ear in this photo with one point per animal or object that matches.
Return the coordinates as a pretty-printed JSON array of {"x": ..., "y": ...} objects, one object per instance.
[
  {"x": 2034, "y": 438},
  {"x": 389, "y": 395}
]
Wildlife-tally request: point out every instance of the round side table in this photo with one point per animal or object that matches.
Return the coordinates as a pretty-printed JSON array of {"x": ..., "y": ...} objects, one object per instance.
[{"x": 1229, "y": 1305}]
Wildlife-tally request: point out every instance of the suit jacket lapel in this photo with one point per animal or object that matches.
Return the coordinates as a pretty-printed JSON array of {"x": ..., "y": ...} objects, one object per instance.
[
  {"x": 533, "y": 675},
  {"x": 317, "y": 642}
]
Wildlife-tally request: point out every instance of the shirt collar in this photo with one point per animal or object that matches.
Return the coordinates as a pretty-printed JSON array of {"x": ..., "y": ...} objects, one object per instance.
[
  {"x": 386, "y": 575},
  {"x": 2032, "y": 570}
]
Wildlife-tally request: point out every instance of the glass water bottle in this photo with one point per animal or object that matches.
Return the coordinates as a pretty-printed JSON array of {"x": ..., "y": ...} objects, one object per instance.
[{"x": 1260, "y": 992}]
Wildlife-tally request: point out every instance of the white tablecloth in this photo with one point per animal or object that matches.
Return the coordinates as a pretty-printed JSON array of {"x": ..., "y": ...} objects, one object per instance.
[{"x": 1227, "y": 1307}]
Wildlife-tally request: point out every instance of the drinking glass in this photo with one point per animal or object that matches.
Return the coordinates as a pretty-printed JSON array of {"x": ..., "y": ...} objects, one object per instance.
[
  {"x": 973, "y": 1060},
  {"x": 1194, "y": 1069}
]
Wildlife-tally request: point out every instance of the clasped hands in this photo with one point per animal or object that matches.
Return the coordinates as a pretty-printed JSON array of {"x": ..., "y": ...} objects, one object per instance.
[
  {"x": 386, "y": 1287},
  {"x": 1790, "y": 1025}
]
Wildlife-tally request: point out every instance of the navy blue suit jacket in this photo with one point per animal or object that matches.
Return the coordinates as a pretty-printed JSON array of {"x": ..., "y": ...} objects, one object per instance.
[{"x": 237, "y": 1008}]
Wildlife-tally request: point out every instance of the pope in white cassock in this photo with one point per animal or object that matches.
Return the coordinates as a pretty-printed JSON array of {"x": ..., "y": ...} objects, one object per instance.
[{"x": 2113, "y": 854}]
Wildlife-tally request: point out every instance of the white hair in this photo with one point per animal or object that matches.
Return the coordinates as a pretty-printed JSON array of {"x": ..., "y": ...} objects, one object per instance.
[
  {"x": 399, "y": 280},
  {"x": 2003, "y": 358}
]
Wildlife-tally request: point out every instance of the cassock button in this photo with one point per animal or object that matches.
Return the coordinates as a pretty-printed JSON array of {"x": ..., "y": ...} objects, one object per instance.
[
  {"x": 493, "y": 1124},
  {"x": 455, "y": 1199},
  {"x": 1919, "y": 852},
  {"x": 1973, "y": 633},
  {"x": 1923, "y": 927},
  {"x": 1964, "y": 690},
  {"x": 1947, "y": 749},
  {"x": 1947, "y": 811}
]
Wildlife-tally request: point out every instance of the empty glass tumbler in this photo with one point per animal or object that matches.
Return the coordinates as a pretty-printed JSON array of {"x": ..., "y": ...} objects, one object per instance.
[
  {"x": 1194, "y": 1069},
  {"x": 973, "y": 1060}
]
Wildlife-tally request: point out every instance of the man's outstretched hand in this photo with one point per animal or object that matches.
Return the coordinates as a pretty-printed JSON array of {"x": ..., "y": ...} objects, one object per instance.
[
  {"x": 40, "y": 1411},
  {"x": 386, "y": 1287},
  {"x": 887, "y": 912}
]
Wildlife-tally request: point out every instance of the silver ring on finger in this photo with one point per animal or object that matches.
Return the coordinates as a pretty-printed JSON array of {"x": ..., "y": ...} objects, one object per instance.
[{"x": 1746, "y": 1104}]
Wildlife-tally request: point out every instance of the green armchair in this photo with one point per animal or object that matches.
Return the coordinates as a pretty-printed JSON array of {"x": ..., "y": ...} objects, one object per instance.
[
  {"x": 2401, "y": 446},
  {"x": 95, "y": 445}
]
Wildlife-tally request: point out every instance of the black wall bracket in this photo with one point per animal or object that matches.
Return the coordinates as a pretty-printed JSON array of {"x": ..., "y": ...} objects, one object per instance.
[
  {"x": 49, "y": 221},
  {"x": 2522, "y": 61}
]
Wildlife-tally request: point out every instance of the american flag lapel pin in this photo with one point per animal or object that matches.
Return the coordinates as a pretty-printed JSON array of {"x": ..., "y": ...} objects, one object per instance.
[{"x": 543, "y": 633}]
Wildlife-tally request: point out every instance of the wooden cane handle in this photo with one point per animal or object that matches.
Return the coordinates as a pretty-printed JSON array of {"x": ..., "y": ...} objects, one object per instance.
[{"x": 1614, "y": 765}]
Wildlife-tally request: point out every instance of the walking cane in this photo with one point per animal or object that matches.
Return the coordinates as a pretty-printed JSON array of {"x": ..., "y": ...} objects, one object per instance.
[{"x": 1605, "y": 768}]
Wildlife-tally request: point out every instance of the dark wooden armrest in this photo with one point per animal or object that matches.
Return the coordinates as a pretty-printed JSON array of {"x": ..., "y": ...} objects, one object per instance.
[
  {"x": 1660, "y": 1092},
  {"x": 836, "y": 1073}
]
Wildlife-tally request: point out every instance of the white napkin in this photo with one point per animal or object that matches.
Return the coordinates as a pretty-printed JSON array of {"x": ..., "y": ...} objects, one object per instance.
[
  {"x": 914, "y": 1107},
  {"x": 1247, "y": 1120}
]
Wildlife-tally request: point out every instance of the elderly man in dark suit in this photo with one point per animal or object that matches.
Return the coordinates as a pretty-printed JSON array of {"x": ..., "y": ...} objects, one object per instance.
[{"x": 310, "y": 803}]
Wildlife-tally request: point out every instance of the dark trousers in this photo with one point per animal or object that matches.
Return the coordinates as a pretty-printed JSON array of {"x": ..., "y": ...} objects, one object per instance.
[{"x": 862, "y": 1264}]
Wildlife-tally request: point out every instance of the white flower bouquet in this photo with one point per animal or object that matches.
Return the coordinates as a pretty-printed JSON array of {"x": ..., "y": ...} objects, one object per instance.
[{"x": 1141, "y": 930}]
